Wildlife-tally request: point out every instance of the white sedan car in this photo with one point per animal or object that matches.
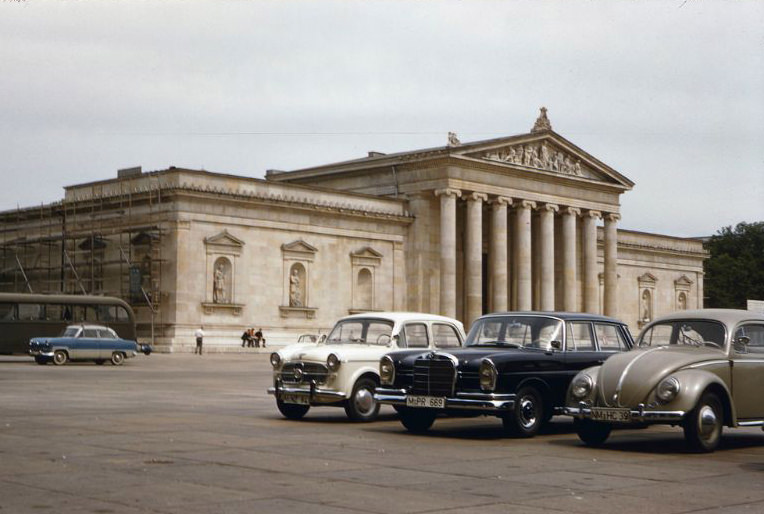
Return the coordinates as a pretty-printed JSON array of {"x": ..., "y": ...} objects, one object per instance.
[{"x": 343, "y": 370}]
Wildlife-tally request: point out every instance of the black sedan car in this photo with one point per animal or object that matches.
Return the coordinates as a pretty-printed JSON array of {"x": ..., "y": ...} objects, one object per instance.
[{"x": 515, "y": 365}]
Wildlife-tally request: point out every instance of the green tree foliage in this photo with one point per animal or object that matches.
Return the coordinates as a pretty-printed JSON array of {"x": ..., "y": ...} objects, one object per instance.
[{"x": 735, "y": 269}]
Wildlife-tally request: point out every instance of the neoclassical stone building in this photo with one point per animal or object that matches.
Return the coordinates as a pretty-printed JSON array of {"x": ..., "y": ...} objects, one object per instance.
[{"x": 522, "y": 222}]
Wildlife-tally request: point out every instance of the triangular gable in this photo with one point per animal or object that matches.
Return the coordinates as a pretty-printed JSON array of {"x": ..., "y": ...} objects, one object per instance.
[
  {"x": 224, "y": 238},
  {"x": 367, "y": 252},
  {"x": 298, "y": 246},
  {"x": 647, "y": 278},
  {"x": 684, "y": 280}
]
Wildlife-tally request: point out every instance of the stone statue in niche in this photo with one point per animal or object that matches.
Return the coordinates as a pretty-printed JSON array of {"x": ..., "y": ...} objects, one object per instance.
[
  {"x": 647, "y": 314},
  {"x": 295, "y": 290},
  {"x": 219, "y": 285},
  {"x": 682, "y": 303}
]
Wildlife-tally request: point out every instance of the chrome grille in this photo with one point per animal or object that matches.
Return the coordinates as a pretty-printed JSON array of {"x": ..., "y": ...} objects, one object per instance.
[
  {"x": 310, "y": 371},
  {"x": 434, "y": 376}
]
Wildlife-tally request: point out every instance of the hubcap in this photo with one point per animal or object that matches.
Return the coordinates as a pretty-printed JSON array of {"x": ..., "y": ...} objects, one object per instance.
[
  {"x": 527, "y": 412},
  {"x": 707, "y": 422},
  {"x": 364, "y": 400}
]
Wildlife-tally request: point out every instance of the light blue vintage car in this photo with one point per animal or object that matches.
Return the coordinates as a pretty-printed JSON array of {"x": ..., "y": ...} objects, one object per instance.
[{"x": 85, "y": 342}]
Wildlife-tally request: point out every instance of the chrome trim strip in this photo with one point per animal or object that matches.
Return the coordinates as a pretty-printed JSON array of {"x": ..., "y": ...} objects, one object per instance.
[
  {"x": 638, "y": 415},
  {"x": 471, "y": 401},
  {"x": 318, "y": 395},
  {"x": 757, "y": 423},
  {"x": 708, "y": 363}
]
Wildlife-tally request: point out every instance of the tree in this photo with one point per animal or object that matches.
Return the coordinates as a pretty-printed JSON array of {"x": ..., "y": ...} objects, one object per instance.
[{"x": 735, "y": 268}]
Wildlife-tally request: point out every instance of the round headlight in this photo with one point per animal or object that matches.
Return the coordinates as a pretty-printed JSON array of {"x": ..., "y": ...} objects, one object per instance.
[
  {"x": 581, "y": 387},
  {"x": 275, "y": 360},
  {"x": 487, "y": 375},
  {"x": 667, "y": 390},
  {"x": 386, "y": 371},
  {"x": 298, "y": 372},
  {"x": 333, "y": 362}
]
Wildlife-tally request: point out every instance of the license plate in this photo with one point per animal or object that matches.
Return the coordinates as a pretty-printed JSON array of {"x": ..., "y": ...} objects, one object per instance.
[
  {"x": 430, "y": 402},
  {"x": 295, "y": 398},
  {"x": 604, "y": 414}
]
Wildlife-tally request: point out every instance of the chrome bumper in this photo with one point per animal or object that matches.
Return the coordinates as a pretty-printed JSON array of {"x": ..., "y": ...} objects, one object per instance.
[
  {"x": 638, "y": 415},
  {"x": 492, "y": 402},
  {"x": 311, "y": 390}
]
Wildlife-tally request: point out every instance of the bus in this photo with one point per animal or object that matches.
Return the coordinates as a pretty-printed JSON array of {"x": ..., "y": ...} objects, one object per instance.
[{"x": 24, "y": 316}]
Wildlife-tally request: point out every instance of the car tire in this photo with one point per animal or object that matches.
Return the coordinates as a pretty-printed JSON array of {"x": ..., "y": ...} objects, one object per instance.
[
  {"x": 592, "y": 433},
  {"x": 117, "y": 358},
  {"x": 292, "y": 410},
  {"x": 525, "y": 419},
  {"x": 42, "y": 361},
  {"x": 416, "y": 421},
  {"x": 361, "y": 406},
  {"x": 60, "y": 357},
  {"x": 703, "y": 424}
]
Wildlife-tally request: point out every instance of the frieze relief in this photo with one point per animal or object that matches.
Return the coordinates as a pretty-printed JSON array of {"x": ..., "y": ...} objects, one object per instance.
[{"x": 542, "y": 156}]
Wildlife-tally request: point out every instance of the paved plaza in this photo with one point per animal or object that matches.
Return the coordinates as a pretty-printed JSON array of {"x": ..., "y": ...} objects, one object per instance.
[{"x": 186, "y": 434}]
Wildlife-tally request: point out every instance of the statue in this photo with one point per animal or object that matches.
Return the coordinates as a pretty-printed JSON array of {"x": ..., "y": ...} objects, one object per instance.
[
  {"x": 528, "y": 159},
  {"x": 453, "y": 140},
  {"x": 545, "y": 157},
  {"x": 542, "y": 122},
  {"x": 218, "y": 285},
  {"x": 577, "y": 168},
  {"x": 295, "y": 294},
  {"x": 646, "y": 314}
]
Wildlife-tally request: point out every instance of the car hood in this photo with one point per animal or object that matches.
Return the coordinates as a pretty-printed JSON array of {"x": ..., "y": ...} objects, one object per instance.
[
  {"x": 345, "y": 352},
  {"x": 639, "y": 371},
  {"x": 470, "y": 357}
]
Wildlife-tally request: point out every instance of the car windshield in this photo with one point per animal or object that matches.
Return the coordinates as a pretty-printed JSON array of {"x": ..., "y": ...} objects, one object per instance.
[
  {"x": 368, "y": 331},
  {"x": 693, "y": 332},
  {"x": 70, "y": 332},
  {"x": 516, "y": 331}
]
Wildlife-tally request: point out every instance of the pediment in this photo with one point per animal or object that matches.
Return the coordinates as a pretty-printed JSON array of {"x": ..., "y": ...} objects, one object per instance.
[
  {"x": 684, "y": 280},
  {"x": 647, "y": 278},
  {"x": 367, "y": 252},
  {"x": 547, "y": 152},
  {"x": 224, "y": 238},
  {"x": 299, "y": 246}
]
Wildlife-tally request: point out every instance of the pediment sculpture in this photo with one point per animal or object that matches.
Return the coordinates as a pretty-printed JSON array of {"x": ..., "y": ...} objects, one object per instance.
[{"x": 542, "y": 156}]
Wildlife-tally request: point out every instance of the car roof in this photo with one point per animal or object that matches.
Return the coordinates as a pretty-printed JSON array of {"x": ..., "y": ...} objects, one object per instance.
[
  {"x": 403, "y": 316},
  {"x": 727, "y": 316},
  {"x": 88, "y": 325},
  {"x": 557, "y": 314}
]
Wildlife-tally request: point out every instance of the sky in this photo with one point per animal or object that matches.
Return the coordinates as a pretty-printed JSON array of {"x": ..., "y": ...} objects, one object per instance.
[{"x": 668, "y": 93}]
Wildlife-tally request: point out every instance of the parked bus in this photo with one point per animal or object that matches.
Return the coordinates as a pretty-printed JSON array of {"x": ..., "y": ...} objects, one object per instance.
[{"x": 24, "y": 316}]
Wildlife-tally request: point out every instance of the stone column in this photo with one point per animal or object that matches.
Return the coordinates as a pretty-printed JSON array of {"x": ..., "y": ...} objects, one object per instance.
[
  {"x": 448, "y": 250},
  {"x": 611, "y": 264},
  {"x": 498, "y": 249},
  {"x": 569, "y": 296},
  {"x": 523, "y": 255},
  {"x": 546, "y": 249},
  {"x": 473, "y": 258},
  {"x": 591, "y": 278}
]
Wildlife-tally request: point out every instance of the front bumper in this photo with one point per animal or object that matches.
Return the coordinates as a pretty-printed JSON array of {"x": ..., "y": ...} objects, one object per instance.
[
  {"x": 41, "y": 353},
  {"x": 638, "y": 415},
  {"x": 490, "y": 402},
  {"x": 309, "y": 390}
]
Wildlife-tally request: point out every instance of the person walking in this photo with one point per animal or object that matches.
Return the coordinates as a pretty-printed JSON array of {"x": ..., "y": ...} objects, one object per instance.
[
  {"x": 245, "y": 338},
  {"x": 199, "y": 334},
  {"x": 259, "y": 338}
]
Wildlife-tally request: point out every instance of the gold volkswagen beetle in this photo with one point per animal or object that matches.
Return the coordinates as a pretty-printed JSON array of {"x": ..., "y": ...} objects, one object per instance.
[{"x": 700, "y": 369}]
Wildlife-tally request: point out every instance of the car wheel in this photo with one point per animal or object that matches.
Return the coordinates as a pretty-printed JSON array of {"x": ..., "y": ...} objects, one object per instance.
[
  {"x": 42, "y": 361},
  {"x": 60, "y": 357},
  {"x": 528, "y": 415},
  {"x": 416, "y": 421},
  {"x": 100, "y": 362},
  {"x": 117, "y": 358},
  {"x": 703, "y": 424},
  {"x": 292, "y": 410},
  {"x": 361, "y": 406},
  {"x": 592, "y": 433}
]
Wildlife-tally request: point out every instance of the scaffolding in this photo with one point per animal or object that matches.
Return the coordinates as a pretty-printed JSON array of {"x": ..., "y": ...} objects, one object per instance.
[{"x": 100, "y": 244}]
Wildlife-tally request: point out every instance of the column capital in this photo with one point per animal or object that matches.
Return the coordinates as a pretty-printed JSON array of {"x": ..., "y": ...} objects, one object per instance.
[
  {"x": 593, "y": 214},
  {"x": 500, "y": 200},
  {"x": 612, "y": 216},
  {"x": 575, "y": 211},
  {"x": 549, "y": 207},
  {"x": 448, "y": 192},
  {"x": 474, "y": 197},
  {"x": 526, "y": 204}
]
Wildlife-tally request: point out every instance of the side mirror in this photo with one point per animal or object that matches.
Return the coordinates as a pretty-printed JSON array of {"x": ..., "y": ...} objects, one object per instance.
[{"x": 556, "y": 345}]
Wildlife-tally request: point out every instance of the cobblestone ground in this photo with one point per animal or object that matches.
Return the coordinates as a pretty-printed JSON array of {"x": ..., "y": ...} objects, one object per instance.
[{"x": 186, "y": 434}]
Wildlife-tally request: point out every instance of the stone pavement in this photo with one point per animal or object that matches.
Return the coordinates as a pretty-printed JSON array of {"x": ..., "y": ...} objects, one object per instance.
[{"x": 186, "y": 434}]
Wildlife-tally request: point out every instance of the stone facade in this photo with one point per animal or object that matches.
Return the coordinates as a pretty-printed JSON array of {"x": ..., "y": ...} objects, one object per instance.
[{"x": 524, "y": 222}]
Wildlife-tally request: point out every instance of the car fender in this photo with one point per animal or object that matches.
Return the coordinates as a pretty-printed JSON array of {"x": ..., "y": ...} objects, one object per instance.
[
  {"x": 358, "y": 373},
  {"x": 693, "y": 383}
]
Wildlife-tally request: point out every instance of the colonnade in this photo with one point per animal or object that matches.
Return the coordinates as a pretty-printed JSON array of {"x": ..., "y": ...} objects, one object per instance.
[{"x": 522, "y": 246}]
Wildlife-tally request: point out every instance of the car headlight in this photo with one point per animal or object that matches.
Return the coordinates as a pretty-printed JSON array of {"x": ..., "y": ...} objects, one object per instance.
[
  {"x": 275, "y": 359},
  {"x": 386, "y": 371},
  {"x": 487, "y": 375},
  {"x": 333, "y": 362},
  {"x": 581, "y": 387},
  {"x": 667, "y": 390}
]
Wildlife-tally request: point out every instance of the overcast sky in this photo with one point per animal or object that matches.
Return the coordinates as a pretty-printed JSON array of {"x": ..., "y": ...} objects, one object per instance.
[{"x": 669, "y": 93}]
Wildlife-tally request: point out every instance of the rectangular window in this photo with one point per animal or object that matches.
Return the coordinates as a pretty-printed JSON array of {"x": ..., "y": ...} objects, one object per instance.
[
  {"x": 31, "y": 311},
  {"x": 7, "y": 311},
  {"x": 416, "y": 335},
  {"x": 90, "y": 333},
  {"x": 445, "y": 336},
  {"x": 609, "y": 337},
  {"x": 580, "y": 337}
]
